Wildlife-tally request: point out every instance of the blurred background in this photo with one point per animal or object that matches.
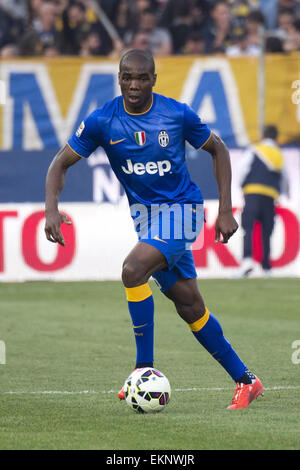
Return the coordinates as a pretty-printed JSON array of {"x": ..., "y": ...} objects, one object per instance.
[
  {"x": 235, "y": 62},
  {"x": 107, "y": 27}
]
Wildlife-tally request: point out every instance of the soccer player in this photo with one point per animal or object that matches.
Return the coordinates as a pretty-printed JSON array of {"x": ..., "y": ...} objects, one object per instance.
[{"x": 143, "y": 135}]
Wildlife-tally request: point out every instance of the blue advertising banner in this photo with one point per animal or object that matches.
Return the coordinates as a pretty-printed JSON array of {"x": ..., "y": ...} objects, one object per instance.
[{"x": 23, "y": 175}]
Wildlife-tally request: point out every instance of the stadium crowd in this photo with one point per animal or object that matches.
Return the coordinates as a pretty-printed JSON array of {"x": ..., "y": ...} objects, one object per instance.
[{"x": 86, "y": 28}]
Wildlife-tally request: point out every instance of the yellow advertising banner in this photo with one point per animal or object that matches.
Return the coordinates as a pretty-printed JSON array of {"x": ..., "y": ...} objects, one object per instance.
[{"x": 46, "y": 99}]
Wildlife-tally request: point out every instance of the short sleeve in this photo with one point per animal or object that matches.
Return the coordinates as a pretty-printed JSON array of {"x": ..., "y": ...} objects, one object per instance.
[
  {"x": 195, "y": 132},
  {"x": 86, "y": 139}
]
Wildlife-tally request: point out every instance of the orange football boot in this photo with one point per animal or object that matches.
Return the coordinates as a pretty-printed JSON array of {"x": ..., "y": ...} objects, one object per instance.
[
  {"x": 245, "y": 394},
  {"x": 121, "y": 393}
]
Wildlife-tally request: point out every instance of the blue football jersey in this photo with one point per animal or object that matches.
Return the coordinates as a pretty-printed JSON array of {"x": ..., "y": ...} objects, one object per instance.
[{"x": 146, "y": 151}]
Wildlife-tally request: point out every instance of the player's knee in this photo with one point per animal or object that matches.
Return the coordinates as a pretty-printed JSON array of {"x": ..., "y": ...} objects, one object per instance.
[
  {"x": 191, "y": 311},
  {"x": 127, "y": 273},
  {"x": 132, "y": 274}
]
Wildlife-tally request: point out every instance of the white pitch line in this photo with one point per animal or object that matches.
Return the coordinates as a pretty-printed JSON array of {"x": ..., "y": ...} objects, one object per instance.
[{"x": 99, "y": 392}]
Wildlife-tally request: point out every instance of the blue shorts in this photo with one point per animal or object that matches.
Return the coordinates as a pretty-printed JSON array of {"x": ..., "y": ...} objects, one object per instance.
[
  {"x": 173, "y": 237},
  {"x": 184, "y": 268}
]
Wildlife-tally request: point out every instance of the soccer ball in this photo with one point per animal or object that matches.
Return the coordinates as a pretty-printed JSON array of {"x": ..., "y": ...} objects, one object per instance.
[{"x": 147, "y": 390}]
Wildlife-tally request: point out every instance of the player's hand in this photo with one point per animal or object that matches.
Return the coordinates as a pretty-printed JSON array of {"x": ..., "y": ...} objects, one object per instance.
[
  {"x": 226, "y": 225},
  {"x": 52, "y": 227}
]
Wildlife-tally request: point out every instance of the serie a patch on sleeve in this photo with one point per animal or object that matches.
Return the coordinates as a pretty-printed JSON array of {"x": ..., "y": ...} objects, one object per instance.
[{"x": 80, "y": 129}]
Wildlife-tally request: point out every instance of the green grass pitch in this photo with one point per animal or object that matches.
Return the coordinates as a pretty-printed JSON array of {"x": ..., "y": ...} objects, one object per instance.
[{"x": 69, "y": 348}]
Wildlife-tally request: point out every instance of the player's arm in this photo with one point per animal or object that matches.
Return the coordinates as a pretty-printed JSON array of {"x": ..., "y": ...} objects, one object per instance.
[
  {"x": 225, "y": 224},
  {"x": 55, "y": 181}
]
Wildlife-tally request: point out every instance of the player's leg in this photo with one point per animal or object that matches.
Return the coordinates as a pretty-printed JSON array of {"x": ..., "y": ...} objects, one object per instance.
[
  {"x": 143, "y": 260},
  {"x": 138, "y": 266},
  {"x": 206, "y": 328},
  {"x": 157, "y": 250},
  {"x": 185, "y": 294},
  {"x": 154, "y": 254}
]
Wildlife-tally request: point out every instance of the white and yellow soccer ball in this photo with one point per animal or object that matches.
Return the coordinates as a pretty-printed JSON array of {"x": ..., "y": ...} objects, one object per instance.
[{"x": 147, "y": 390}]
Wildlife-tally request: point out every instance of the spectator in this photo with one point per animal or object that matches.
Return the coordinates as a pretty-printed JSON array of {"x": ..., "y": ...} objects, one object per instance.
[
  {"x": 254, "y": 21},
  {"x": 164, "y": 26},
  {"x": 285, "y": 4},
  {"x": 33, "y": 8},
  {"x": 140, "y": 40},
  {"x": 142, "y": 5},
  {"x": 242, "y": 47},
  {"x": 218, "y": 35},
  {"x": 273, "y": 45},
  {"x": 10, "y": 28},
  {"x": 78, "y": 23},
  {"x": 285, "y": 24},
  {"x": 75, "y": 29},
  {"x": 51, "y": 51},
  {"x": 196, "y": 8},
  {"x": 121, "y": 18},
  {"x": 91, "y": 45},
  {"x": 9, "y": 51},
  {"x": 195, "y": 44},
  {"x": 293, "y": 43},
  {"x": 61, "y": 6},
  {"x": 181, "y": 27},
  {"x": 198, "y": 18},
  {"x": 240, "y": 9},
  {"x": 137, "y": 7},
  {"x": 42, "y": 34},
  {"x": 160, "y": 39}
]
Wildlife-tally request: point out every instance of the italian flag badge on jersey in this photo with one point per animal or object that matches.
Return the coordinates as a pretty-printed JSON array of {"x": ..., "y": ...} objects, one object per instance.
[{"x": 140, "y": 137}]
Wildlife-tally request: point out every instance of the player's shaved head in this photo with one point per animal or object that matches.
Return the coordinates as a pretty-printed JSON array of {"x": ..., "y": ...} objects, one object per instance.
[
  {"x": 137, "y": 56},
  {"x": 136, "y": 79}
]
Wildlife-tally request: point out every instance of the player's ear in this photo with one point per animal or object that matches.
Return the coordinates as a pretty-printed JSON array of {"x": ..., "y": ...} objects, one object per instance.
[
  {"x": 154, "y": 79},
  {"x": 119, "y": 76}
]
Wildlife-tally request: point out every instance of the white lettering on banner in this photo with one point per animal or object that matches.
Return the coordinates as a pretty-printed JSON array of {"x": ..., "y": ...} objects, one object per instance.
[
  {"x": 105, "y": 185},
  {"x": 296, "y": 94},
  {"x": 206, "y": 111},
  {"x": 151, "y": 168},
  {"x": 296, "y": 97},
  {"x": 98, "y": 157},
  {"x": 2, "y": 92},
  {"x": 25, "y": 251},
  {"x": 63, "y": 126},
  {"x": 103, "y": 234}
]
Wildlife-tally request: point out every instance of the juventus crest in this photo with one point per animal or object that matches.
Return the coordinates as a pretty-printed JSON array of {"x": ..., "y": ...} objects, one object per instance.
[{"x": 163, "y": 138}]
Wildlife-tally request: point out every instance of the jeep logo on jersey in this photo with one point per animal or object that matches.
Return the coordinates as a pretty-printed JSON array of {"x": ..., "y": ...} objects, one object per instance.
[
  {"x": 140, "y": 137},
  {"x": 151, "y": 168},
  {"x": 163, "y": 138}
]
